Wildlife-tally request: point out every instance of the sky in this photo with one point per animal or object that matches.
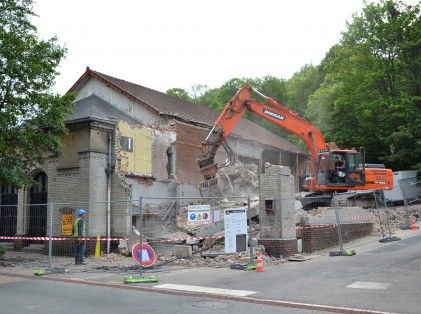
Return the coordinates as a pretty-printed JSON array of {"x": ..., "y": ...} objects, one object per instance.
[{"x": 163, "y": 44}]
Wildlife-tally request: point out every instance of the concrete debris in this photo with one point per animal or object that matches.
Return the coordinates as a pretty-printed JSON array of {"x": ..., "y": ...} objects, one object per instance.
[
  {"x": 397, "y": 218},
  {"x": 240, "y": 179}
]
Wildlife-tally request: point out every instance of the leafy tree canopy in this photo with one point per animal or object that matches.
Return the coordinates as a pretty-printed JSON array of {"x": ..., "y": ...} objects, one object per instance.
[
  {"x": 179, "y": 93},
  {"x": 365, "y": 92},
  {"x": 32, "y": 118},
  {"x": 376, "y": 69}
]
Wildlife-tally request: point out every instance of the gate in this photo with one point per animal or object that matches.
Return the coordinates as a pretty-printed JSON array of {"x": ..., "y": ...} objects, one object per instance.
[
  {"x": 38, "y": 207},
  {"x": 8, "y": 211}
]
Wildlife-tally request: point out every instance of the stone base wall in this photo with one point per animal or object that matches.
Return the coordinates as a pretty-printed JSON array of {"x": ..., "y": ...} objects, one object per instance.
[
  {"x": 280, "y": 247},
  {"x": 323, "y": 236}
]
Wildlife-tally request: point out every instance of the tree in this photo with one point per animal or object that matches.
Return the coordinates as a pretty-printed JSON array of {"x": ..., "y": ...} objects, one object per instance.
[
  {"x": 32, "y": 118},
  {"x": 301, "y": 85},
  {"x": 179, "y": 93},
  {"x": 377, "y": 71}
]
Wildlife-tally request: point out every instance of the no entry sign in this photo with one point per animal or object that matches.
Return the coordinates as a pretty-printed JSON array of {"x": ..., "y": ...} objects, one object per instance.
[{"x": 146, "y": 256}]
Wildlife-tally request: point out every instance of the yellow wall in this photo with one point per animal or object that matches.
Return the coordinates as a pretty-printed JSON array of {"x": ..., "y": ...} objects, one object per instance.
[{"x": 140, "y": 160}]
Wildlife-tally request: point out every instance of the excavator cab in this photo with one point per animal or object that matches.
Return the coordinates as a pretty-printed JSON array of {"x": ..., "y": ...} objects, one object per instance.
[{"x": 340, "y": 168}]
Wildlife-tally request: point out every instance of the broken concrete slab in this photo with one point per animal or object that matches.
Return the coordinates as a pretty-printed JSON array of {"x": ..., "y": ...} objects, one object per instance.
[
  {"x": 210, "y": 229},
  {"x": 183, "y": 251}
]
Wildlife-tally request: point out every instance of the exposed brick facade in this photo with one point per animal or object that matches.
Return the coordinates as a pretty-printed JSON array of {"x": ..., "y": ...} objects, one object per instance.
[
  {"x": 279, "y": 247},
  {"x": 319, "y": 237},
  {"x": 188, "y": 147}
]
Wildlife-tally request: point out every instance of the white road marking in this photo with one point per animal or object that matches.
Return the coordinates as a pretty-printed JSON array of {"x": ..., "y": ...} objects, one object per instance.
[
  {"x": 237, "y": 293},
  {"x": 369, "y": 285}
]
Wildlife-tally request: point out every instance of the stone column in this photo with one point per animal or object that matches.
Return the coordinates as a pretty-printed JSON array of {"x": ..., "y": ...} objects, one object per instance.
[{"x": 277, "y": 211}]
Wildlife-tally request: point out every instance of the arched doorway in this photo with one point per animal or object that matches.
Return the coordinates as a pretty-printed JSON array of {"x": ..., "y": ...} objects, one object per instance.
[
  {"x": 8, "y": 210},
  {"x": 38, "y": 206}
]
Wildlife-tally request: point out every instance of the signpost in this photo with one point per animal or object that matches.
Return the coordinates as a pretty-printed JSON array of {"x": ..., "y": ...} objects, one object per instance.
[
  {"x": 146, "y": 257},
  {"x": 198, "y": 214},
  {"x": 235, "y": 223}
]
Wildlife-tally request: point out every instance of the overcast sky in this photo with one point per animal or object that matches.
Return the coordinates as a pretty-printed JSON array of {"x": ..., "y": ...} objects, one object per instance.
[{"x": 162, "y": 44}]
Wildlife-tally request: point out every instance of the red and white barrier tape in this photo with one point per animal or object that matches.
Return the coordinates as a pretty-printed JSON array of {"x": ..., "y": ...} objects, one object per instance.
[
  {"x": 298, "y": 227},
  {"x": 59, "y": 238},
  {"x": 190, "y": 238},
  {"x": 370, "y": 216}
]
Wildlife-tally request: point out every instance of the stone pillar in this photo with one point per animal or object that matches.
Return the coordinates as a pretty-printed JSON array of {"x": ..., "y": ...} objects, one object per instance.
[{"x": 277, "y": 211}]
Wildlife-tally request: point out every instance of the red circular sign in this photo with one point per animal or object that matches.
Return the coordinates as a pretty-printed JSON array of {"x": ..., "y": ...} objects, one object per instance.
[{"x": 147, "y": 256}]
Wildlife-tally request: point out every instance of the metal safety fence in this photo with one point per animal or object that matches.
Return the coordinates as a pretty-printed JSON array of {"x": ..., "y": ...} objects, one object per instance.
[
  {"x": 156, "y": 232},
  {"x": 117, "y": 231},
  {"x": 411, "y": 194}
]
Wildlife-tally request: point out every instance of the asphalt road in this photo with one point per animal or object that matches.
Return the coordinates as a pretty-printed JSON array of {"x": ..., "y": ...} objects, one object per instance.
[
  {"x": 393, "y": 267},
  {"x": 38, "y": 296},
  {"x": 381, "y": 277}
]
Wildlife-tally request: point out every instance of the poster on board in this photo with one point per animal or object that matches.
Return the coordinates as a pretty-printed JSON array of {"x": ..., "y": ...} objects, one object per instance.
[
  {"x": 198, "y": 214},
  {"x": 235, "y": 223},
  {"x": 67, "y": 225}
]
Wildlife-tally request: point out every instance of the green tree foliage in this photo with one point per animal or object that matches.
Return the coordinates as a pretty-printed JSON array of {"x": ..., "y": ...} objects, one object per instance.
[
  {"x": 32, "y": 118},
  {"x": 180, "y": 93},
  {"x": 320, "y": 104},
  {"x": 301, "y": 85},
  {"x": 376, "y": 73},
  {"x": 365, "y": 92}
]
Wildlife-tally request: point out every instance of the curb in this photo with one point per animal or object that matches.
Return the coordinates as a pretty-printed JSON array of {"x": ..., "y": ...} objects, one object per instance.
[{"x": 295, "y": 305}]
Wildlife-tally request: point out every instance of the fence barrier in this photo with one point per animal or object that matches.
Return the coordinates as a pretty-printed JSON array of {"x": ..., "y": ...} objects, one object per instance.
[
  {"x": 162, "y": 222},
  {"x": 411, "y": 193}
]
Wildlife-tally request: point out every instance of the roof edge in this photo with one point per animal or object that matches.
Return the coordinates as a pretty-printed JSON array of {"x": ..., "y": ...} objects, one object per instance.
[{"x": 99, "y": 77}]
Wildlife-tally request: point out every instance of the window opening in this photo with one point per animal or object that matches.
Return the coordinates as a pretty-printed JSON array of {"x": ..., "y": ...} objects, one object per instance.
[{"x": 126, "y": 143}]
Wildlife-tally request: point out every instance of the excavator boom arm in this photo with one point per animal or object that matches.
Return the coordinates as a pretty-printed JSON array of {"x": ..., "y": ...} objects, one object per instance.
[{"x": 273, "y": 112}]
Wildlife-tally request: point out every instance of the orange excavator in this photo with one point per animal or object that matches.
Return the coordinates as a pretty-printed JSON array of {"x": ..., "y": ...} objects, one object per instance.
[{"x": 332, "y": 169}]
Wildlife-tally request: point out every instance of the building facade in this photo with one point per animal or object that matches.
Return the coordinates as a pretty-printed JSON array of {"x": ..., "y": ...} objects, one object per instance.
[{"x": 124, "y": 141}]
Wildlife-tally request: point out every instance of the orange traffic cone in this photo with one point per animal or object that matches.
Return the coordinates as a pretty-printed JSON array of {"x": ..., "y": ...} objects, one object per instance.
[
  {"x": 259, "y": 263},
  {"x": 413, "y": 223}
]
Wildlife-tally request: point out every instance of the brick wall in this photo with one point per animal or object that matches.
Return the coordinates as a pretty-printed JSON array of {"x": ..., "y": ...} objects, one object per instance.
[
  {"x": 279, "y": 247},
  {"x": 319, "y": 237},
  {"x": 188, "y": 147}
]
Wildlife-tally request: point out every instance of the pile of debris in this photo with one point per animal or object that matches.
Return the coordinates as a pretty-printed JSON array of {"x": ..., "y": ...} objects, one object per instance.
[
  {"x": 392, "y": 217},
  {"x": 240, "y": 179}
]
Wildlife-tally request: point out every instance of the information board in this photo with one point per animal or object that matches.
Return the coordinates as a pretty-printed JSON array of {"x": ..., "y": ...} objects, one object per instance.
[{"x": 235, "y": 223}]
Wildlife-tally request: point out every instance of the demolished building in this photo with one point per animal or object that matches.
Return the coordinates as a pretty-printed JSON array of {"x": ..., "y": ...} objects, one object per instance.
[{"x": 124, "y": 141}]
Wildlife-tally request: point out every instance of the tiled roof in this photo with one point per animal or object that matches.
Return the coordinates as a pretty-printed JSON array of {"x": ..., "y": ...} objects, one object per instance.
[{"x": 165, "y": 104}]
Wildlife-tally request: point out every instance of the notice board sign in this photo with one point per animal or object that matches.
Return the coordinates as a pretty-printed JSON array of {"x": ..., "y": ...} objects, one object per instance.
[
  {"x": 198, "y": 214},
  {"x": 67, "y": 225},
  {"x": 235, "y": 223}
]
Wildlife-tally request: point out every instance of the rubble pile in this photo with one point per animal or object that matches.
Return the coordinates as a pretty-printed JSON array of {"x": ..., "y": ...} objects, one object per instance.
[
  {"x": 240, "y": 179},
  {"x": 398, "y": 217}
]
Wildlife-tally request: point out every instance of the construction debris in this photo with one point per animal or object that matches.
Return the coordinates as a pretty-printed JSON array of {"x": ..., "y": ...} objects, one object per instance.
[{"x": 240, "y": 179}]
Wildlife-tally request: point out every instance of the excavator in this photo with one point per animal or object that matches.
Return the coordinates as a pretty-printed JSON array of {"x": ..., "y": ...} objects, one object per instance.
[{"x": 332, "y": 169}]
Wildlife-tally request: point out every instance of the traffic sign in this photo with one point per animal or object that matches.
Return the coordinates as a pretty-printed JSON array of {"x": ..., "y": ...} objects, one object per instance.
[{"x": 148, "y": 257}]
